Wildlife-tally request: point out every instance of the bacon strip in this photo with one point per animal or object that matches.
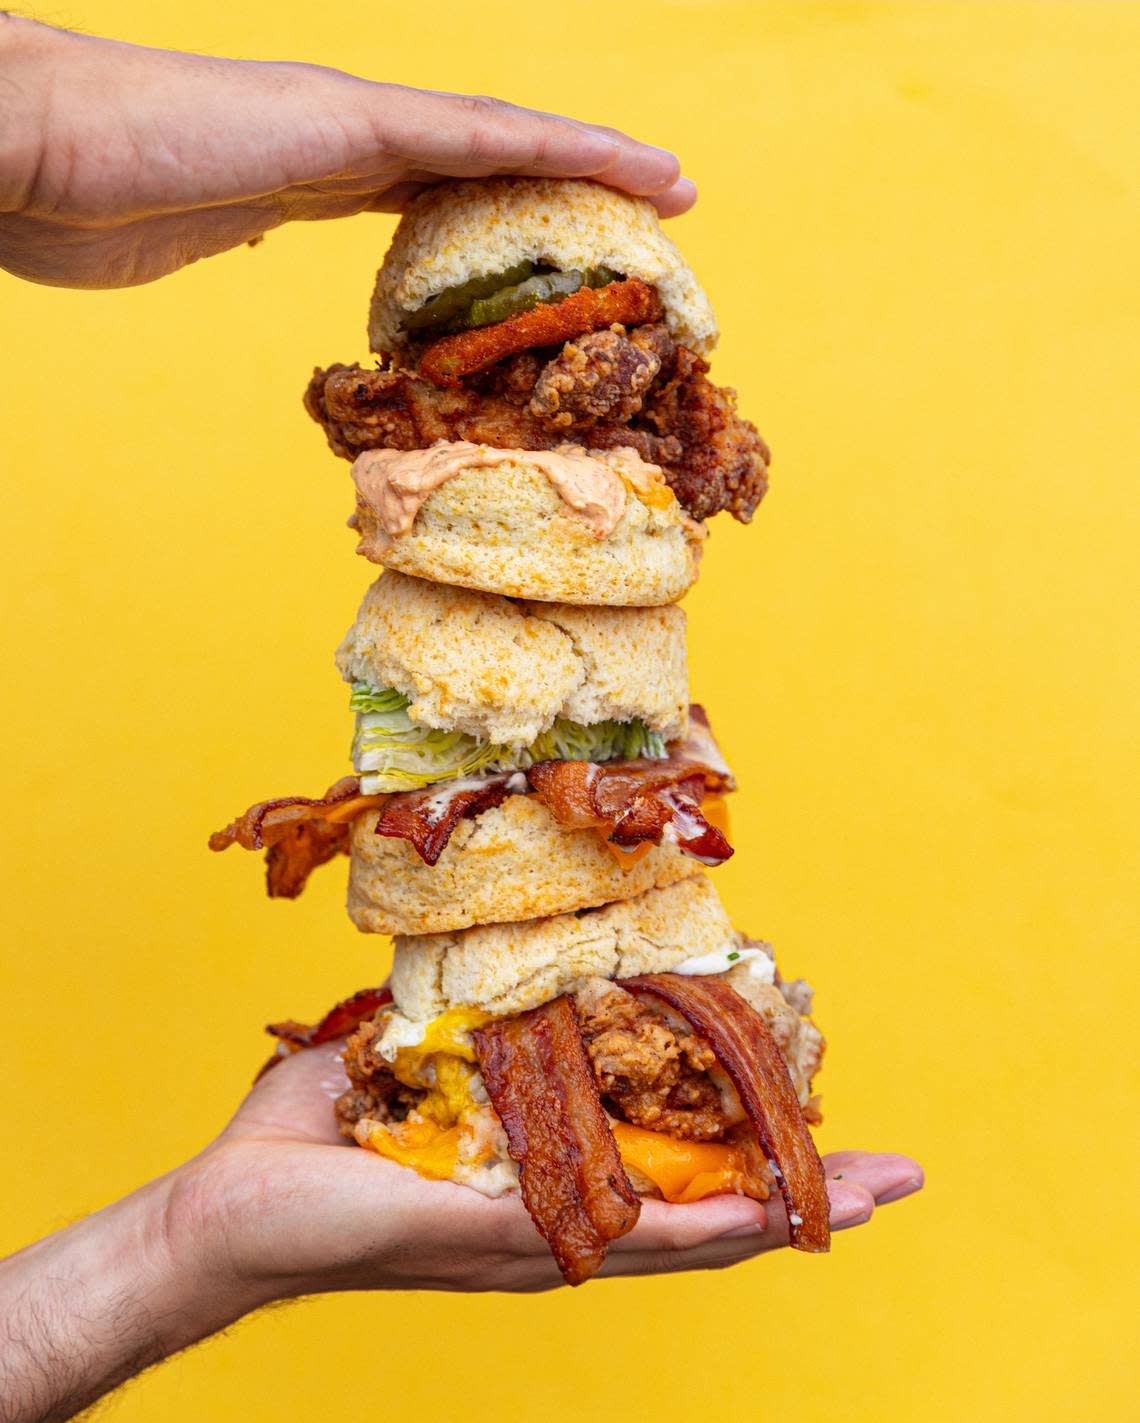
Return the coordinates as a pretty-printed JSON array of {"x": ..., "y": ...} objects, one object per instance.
[
  {"x": 298, "y": 834},
  {"x": 540, "y": 1082},
  {"x": 633, "y": 801},
  {"x": 427, "y": 818},
  {"x": 644, "y": 800},
  {"x": 748, "y": 1054},
  {"x": 344, "y": 1018},
  {"x": 269, "y": 821},
  {"x": 630, "y": 801},
  {"x": 632, "y": 302}
]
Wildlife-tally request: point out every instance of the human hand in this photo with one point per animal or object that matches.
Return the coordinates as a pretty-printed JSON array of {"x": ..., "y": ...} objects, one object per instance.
[
  {"x": 280, "y": 1206},
  {"x": 299, "y": 1210},
  {"x": 119, "y": 164}
]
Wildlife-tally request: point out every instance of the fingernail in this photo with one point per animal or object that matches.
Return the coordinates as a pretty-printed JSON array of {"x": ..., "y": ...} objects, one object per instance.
[
  {"x": 896, "y": 1193},
  {"x": 856, "y": 1216}
]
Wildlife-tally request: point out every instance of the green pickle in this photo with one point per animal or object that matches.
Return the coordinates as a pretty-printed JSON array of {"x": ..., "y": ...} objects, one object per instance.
[
  {"x": 484, "y": 301},
  {"x": 536, "y": 291},
  {"x": 440, "y": 309}
]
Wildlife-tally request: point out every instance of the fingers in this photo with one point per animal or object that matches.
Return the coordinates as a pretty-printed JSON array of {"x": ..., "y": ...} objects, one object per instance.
[
  {"x": 677, "y": 199},
  {"x": 726, "y": 1230},
  {"x": 295, "y": 1098},
  {"x": 677, "y": 1228},
  {"x": 886, "y": 1175},
  {"x": 459, "y": 135}
]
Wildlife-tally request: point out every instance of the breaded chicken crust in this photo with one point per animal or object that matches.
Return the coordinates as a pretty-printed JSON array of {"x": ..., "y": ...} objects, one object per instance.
[{"x": 673, "y": 416}]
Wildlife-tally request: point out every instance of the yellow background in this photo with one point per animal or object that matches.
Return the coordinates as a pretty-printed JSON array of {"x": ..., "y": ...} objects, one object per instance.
[{"x": 919, "y": 225}]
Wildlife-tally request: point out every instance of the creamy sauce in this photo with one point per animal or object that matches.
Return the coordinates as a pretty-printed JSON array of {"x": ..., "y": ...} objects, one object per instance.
[
  {"x": 759, "y": 965},
  {"x": 392, "y": 485}
]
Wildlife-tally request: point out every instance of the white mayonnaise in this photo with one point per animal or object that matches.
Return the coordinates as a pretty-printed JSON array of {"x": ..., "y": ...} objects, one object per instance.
[{"x": 760, "y": 966}]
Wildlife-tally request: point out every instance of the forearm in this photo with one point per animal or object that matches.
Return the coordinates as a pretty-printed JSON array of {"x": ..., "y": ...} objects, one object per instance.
[{"x": 96, "y": 1303}]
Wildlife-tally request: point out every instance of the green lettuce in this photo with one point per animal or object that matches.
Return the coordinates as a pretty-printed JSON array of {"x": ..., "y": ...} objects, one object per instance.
[{"x": 390, "y": 752}]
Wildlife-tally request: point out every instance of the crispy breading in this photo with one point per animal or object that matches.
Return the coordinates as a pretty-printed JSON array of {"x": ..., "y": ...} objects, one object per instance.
[
  {"x": 447, "y": 361},
  {"x": 601, "y": 376},
  {"x": 726, "y": 460},
  {"x": 747, "y": 1053},
  {"x": 712, "y": 458},
  {"x": 648, "y": 1074},
  {"x": 374, "y": 1091}
]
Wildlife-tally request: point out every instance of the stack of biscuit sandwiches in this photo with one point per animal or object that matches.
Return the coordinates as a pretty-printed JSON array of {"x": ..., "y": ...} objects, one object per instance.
[{"x": 535, "y": 806}]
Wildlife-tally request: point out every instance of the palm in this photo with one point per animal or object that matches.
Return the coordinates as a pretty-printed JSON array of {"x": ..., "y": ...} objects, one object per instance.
[{"x": 298, "y": 1202}]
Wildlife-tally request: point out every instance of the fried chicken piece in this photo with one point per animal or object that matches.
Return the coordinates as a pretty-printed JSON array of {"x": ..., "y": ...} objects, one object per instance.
[
  {"x": 647, "y": 1073},
  {"x": 725, "y": 465},
  {"x": 374, "y": 1091},
  {"x": 446, "y": 361},
  {"x": 600, "y": 376},
  {"x": 399, "y": 410},
  {"x": 712, "y": 458},
  {"x": 513, "y": 379}
]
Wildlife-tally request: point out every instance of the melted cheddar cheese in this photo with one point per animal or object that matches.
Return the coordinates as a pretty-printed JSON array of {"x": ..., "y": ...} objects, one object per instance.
[
  {"x": 682, "y": 1171},
  {"x": 433, "y": 1136}
]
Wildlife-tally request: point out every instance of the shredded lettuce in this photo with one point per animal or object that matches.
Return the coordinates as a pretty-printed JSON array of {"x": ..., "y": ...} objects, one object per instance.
[
  {"x": 376, "y": 699},
  {"x": 603, "y": 741},
  {"x": 390, "y": 752}
]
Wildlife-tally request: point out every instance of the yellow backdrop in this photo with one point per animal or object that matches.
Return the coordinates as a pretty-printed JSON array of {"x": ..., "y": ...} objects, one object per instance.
[{"x": 919, "y": 225}]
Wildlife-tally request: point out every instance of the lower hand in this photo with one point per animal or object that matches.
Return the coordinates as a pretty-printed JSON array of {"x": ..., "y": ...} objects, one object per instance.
[
  {"x": 281, "y": 1206},
  {"x": 297, "y": 1210}
]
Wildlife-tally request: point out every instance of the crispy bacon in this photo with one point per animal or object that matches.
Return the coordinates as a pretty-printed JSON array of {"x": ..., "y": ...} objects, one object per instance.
[
  {"x": 338, "y": 1022},
  {"x": 298, "y": 834},
  {"x": 447, "y": 361},
  {"x": 644, "y": 800},
  {"x": 747, "y": 1052},
  {"x": 290, "y": 862},
  {"x": 269, "y": 821},
  {"x": 344, "y": 1018},
  {"x": 427, "y": 818},
  {"x": 633, "y": 802},
  {"x": 630, "y": 801},
  {"x": 541, "y": 1084}
]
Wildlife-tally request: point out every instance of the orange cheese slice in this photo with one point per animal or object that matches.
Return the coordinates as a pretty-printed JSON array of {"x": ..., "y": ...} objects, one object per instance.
[
  {"x": 423, "y": 1146},
  {"x": 682, "y": 1171}
]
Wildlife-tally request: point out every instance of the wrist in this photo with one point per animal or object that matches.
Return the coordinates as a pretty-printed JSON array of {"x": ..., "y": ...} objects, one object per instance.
[
  {"x": 105, "y": 1298},
  {"x": 198, "y": 1249}
]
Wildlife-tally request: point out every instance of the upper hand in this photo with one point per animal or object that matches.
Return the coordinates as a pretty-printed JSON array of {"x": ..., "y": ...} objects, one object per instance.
[
  {"x": 299, "y": 1210},
  {"x": 119, "y": 164}
]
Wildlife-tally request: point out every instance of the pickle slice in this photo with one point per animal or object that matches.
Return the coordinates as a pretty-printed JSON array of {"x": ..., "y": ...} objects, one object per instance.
[
  {"x": 450, "y": 302},
  {"x": 539, "y": 290},
  {"x": 485, "y": 301},
  {"x": 535, "y": 291}
]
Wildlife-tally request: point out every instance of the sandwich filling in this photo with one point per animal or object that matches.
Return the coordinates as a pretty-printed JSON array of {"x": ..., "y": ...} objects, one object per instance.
[
  {"x": 546, "y": 362},
  {"x": 390, "y": 752},
  {"x": 687, "y": 1116},
  {"x": 613, "y": 777},
  {"x": 392, "y": 485}
]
